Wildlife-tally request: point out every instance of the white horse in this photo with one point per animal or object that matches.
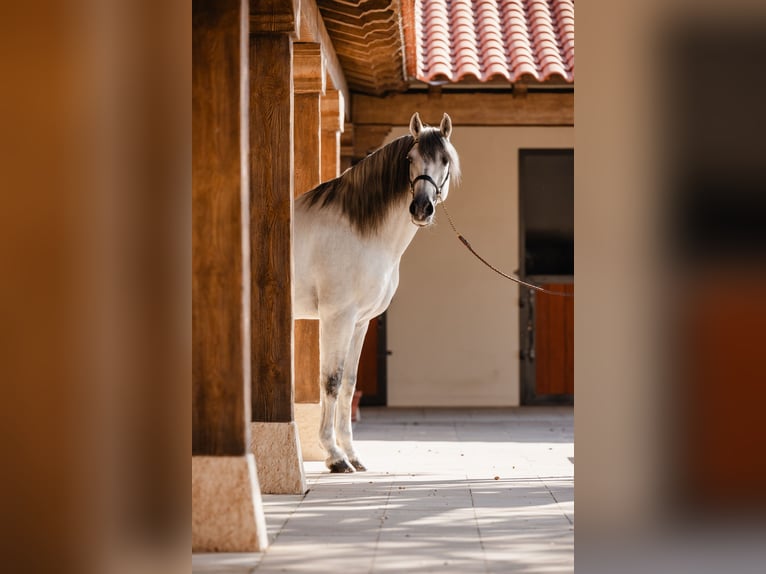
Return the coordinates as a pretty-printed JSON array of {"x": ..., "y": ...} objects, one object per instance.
[{"x": 350, "y": 234}]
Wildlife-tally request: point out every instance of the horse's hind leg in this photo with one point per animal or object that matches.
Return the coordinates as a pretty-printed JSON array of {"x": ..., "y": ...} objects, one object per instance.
[
  {"x": 343, "y": 416},
  {"x": 334, "y": 339}
]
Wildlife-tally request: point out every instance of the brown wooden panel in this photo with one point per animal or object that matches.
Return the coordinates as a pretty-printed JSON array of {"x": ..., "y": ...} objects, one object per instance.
[
  {"x": 569, "y": 341},
  {"x": 307, "y": 176},
  {"x": 219, "y": 374},
  {"x": 723, "y": 394},
  {"x": 367, "y": 375},
  {"x": 271, "y": 197},
  {"x": 554, "y": 342},
  {"x": 466, "y": 109}
]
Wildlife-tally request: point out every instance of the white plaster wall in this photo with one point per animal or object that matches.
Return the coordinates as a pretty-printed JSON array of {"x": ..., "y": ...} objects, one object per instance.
[{"x": 453, "y": 324}]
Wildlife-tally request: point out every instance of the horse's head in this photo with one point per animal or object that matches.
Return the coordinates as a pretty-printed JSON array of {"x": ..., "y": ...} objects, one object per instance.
[{"x": 433, "y": 163}]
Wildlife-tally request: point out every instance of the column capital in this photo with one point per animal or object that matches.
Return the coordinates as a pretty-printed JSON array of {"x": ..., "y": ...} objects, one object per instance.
[
  {"x": 275, "y": 17},
  {"x": 308, "y": 68}
]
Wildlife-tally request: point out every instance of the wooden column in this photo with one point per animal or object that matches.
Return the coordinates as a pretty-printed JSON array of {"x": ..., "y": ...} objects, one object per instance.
[
  {"x": 220, "y": 375},
  {"x": 309, "y": 77},
  {"x": 333, "y": 110},
  {"x": 275, "y": 440},
  {"x": 271, "y": 190},
  {"x": 227, "y": 514}
]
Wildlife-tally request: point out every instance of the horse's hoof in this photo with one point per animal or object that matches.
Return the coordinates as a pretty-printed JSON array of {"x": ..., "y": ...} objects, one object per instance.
[
  {"x": 358, "y": 465},
  {"x": 340, "y": 466}
]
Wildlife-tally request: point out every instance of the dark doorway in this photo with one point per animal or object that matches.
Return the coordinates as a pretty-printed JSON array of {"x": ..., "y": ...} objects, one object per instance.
[{"x": 546, "y": 242}]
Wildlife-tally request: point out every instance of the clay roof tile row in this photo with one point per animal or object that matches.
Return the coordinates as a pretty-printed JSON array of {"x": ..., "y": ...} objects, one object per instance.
[{"x": 486, "y": 39}]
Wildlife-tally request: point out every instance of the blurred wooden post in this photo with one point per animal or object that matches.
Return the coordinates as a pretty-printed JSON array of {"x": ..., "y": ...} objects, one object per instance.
[
  {"x": 227, "y": 512},
  {"x": 275, "y": 440}
]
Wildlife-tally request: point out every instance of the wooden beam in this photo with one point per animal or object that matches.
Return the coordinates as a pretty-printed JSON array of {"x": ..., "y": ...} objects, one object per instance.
[
  {"x": 271, "y": 197},
  {"x": 220, "y": 338},
  {"x": 466, "y": 109},
  {"x": 312, "y": 29},
  {"x": 368, "y": 138}
]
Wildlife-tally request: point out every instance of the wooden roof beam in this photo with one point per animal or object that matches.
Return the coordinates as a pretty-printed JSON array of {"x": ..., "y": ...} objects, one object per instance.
[{"x": 467, "y": 109}]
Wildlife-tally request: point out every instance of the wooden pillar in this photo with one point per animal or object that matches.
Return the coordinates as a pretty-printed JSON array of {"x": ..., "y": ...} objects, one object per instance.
[
  {"x": 227, "y": 513},
  {"x": 310, "y": 84},
  {"x": 309, "y": 77},
  {"x": 275, "y": 440},
  {"x": 333, "y": 111}
]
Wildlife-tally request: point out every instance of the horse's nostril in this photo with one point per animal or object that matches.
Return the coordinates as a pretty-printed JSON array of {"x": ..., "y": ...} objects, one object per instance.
[
  {"x": 429, "y": 208},
  {"x": 412, "y": 208}
]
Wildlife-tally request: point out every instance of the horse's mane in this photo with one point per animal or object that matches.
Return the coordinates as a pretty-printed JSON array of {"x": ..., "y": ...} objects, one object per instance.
[{"x": 367, "y": 191}]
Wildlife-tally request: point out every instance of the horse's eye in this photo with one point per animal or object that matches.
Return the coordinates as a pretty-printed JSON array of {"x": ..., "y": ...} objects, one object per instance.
[
  {"x": 409, "y": 159},
  {"x": 444, "y": 161}
]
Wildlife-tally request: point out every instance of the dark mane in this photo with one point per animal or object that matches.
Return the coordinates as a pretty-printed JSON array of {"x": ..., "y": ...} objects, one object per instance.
[{"x": 366, "y": 191}]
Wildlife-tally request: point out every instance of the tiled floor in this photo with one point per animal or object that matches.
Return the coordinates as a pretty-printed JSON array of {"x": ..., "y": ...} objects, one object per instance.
[{"x": 469, "y": 490}]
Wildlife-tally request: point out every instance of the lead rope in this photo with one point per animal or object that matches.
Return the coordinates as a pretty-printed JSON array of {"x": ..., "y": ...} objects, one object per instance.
[{"x": 465, "y": 242}]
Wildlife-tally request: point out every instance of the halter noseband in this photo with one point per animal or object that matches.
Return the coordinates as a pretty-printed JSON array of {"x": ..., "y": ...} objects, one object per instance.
[{"x": 427, "y": 178}]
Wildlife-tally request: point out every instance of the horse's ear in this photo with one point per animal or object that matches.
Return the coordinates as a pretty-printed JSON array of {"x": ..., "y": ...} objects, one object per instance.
[
  {"x": 446, "y": 126},
  {"x": 416, "y": 126}
]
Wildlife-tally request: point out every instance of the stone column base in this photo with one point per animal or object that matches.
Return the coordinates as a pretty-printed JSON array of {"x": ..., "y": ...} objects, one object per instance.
[
  {"x": 307, "y": 417},
  {"x": 277, "y": 449},
  {"x": 227, "y": 510}
]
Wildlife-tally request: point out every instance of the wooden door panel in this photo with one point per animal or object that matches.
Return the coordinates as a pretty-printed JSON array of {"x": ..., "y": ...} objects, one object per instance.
[
  {"x": 554, "y": 342},
  {"x": 367, "y": 376}
]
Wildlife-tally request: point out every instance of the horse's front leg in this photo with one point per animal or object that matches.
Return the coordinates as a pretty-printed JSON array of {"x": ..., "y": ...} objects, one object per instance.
[
  {"x": 343, "y": 416},
  {"x": 335, "y": 335}
]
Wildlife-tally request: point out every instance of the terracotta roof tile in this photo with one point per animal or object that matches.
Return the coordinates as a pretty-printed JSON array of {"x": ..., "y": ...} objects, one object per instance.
[{"x": 487, "y": 39}]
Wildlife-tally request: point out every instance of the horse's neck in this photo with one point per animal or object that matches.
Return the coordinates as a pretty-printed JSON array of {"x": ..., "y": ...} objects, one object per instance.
[{"x": 398, "y": 231}]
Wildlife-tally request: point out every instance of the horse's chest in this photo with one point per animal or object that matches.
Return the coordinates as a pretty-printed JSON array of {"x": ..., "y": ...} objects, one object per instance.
[{"x": 387, "y": 285}]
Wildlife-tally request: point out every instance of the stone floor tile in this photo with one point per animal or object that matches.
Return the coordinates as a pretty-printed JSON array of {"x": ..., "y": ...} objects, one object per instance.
[{"x": 449, "y": 490}]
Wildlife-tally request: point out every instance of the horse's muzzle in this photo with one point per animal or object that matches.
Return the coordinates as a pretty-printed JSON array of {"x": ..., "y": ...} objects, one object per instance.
[{"x": 422, "y": 211}]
